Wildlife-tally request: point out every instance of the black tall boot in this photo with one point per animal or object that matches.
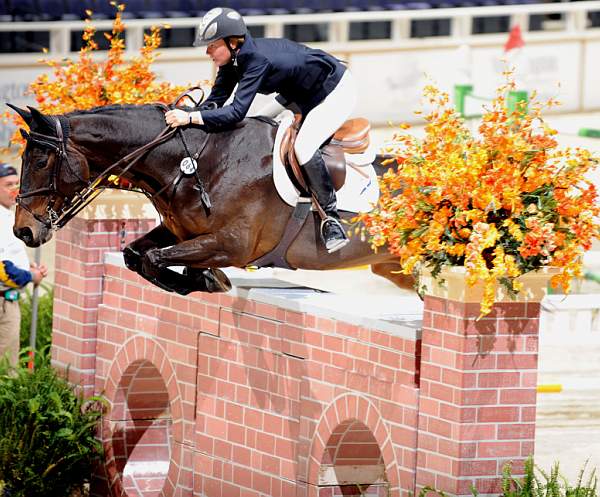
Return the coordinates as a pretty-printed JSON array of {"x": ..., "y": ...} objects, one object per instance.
[{"x": 319, "y": 182}]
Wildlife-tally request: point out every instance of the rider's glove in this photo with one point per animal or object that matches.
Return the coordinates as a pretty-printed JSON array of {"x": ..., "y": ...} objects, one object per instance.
[{"x": 178, "y": 117}]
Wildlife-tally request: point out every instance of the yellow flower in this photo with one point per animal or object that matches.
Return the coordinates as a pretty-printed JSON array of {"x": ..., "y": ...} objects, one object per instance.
[{"x": 515, "y": 199}]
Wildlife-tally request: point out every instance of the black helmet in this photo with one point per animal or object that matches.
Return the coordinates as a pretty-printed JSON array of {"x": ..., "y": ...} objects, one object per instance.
[{"x": 219, "y": 23}]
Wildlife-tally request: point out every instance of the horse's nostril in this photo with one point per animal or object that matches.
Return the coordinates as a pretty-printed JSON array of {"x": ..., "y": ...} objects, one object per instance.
[{"x": 24, "y": 234}]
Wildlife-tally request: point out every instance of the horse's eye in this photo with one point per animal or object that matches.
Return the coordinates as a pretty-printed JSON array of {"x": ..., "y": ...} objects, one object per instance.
[{"x": 41, "y": 164}]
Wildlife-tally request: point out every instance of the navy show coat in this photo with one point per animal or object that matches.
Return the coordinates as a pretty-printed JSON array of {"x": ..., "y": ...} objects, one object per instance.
[{"x": 299, "y": 74}]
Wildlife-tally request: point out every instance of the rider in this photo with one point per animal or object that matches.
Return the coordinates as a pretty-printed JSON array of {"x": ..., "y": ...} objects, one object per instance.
[{"x": 318, "y": 83}]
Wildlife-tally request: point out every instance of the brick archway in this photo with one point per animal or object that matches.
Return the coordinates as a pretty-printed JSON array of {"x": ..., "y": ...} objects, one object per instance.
[
  {"x": 144, "y": 420},
  {"x": 348, "y": 419}
]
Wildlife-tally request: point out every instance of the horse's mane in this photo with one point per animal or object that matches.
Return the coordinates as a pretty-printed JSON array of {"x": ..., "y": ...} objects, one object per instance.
[{"x": 107, "y": 108}]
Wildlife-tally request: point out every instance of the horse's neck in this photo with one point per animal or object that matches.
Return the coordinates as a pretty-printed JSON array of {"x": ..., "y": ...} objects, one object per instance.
[{"x": 107, "y": 138}]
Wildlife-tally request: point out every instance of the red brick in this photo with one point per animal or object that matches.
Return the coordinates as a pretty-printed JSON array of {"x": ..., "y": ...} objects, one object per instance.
[
  {"x": 479, "y": 397},
  {"x": 517, "y": 361},
  {"x": 525, "y": 326},
  {"x": 477, "y": 432},
  {"x": 477, "y": 468},
  {"x": 444, "y": 322},
  {"x": 516, "y": 431},
  {"x": 519, "y": 396},
  {"x": 497, "y": 414},
  {"x": 436, "y": 304},
  {"x": 498, "y": 449},
  {"x": 484, "y": 326},
  {"x": 498, "y": 379}
]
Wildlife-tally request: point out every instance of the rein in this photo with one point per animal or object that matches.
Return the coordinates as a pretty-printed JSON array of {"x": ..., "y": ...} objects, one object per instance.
[{"x": 82, "y": 199}]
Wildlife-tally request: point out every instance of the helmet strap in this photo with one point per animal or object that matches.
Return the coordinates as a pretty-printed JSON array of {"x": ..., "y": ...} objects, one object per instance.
[{"x": 231, "y": 50}]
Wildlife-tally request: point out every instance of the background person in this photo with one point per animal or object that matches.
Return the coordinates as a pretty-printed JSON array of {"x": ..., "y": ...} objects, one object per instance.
[
  {"x": 13, "y": 263},
  {"x": 313, "y": 80}
]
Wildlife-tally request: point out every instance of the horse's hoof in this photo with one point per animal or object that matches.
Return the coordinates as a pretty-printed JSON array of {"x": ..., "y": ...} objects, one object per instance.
[
  {"x": 216, "y": 280},
  {"x": 133, "y": 260}
]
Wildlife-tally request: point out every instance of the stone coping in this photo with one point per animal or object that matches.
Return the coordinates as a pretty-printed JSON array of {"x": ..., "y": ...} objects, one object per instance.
[{"x": 398, "y": 315}]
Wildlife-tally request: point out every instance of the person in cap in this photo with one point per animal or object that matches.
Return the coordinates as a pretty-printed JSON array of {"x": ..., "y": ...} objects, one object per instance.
[
  {"x": 312, "y": 80},
  {"x": 15, "y": 269}
]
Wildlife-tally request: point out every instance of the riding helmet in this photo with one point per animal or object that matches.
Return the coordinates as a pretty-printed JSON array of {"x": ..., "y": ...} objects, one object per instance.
[{"x": 219, "y": 23}]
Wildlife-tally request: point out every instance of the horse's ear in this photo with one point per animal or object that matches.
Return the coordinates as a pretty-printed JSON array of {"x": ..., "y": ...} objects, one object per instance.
[
  {"x": 40, "y": 122},
  {"x": 25, "y": 114},
  {"x": 24, "y": 134}
]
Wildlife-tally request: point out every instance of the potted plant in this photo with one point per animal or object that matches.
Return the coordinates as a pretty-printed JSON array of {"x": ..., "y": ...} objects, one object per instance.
[{"x": 499, "y": 204}]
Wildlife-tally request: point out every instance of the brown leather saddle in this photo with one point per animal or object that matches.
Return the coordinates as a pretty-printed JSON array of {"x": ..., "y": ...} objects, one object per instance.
[{"x": 351, "y": 138}]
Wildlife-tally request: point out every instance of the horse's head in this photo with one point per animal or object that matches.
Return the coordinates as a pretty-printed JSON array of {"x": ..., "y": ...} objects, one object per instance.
[{"x": 52, "y": 174}]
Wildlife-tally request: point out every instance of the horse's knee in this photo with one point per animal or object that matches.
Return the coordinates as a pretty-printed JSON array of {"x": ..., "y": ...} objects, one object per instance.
[
  {"x": 151, "y": 261},
  {"x": 132, "y": 258}
]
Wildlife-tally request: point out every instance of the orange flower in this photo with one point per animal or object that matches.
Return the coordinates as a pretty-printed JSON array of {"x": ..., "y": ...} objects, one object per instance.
[
  {"x": 516, "y": 199},
  {"x": 91, "y": 82}
]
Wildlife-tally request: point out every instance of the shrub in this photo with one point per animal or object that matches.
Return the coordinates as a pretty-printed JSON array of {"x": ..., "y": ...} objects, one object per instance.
[
  {"x": 47, "y": 443},
  {"x": 537, "y": 483}
]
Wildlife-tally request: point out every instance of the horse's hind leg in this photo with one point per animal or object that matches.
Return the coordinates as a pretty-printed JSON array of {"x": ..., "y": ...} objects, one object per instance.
[{"x": 391, "y": 271}]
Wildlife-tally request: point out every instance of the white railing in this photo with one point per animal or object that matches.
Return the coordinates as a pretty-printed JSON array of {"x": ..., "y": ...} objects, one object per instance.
[
  {"x": 574, "y": 22},
  {"x": 390, "y": 73}
]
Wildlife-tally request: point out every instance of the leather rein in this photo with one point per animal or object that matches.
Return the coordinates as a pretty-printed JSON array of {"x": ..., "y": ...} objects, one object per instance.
[{"x": 57, "y": 219}]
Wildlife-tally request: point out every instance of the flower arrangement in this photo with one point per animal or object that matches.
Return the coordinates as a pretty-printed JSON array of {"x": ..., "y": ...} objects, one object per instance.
[
  {"x": 501, "y": 203},
  {"x": 91, "y": 81}
]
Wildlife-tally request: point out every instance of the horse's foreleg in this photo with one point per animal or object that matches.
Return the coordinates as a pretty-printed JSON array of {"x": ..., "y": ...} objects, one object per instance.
[
  {"x": 159, "y": 237},
  {"x": 164, "y": 278},
  {"x": 197, "y": 255}
]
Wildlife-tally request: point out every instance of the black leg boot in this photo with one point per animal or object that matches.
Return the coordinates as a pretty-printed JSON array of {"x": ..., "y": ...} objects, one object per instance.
[{"x": 319, "y": 182}]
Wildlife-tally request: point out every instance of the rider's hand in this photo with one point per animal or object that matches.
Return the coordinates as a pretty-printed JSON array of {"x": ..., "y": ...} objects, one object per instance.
[
  {"x": 177, "y": 117},
  {"x": 38, "y": 272},
  {"x": 37, "y": 276}
]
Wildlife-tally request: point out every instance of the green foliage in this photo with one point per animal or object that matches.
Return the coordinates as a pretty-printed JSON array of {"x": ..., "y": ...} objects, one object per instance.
[
  {"x": 536, "y": 483},
  {"x": 539, "y": 483},
  {"x": 47, "y": 442},
  {"x": 44, "y": 327}
]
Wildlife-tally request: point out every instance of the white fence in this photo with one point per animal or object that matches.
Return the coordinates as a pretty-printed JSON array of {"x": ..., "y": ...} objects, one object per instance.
[{"x": 390, "y": 72}]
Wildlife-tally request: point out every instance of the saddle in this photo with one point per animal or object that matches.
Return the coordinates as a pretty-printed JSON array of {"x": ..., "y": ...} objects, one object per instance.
[{"x": 351, "y": 138}]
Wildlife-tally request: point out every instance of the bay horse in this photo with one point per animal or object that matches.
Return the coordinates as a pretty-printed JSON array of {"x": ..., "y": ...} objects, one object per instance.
[{"x": 65, "y": 156}]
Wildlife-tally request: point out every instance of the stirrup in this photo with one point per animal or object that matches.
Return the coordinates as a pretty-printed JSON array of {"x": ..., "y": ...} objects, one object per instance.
[{"x": 335, "y": 244}]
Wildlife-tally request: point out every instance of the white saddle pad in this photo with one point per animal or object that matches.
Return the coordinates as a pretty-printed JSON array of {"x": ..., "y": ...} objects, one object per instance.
[{"x": 360, "y": 191}]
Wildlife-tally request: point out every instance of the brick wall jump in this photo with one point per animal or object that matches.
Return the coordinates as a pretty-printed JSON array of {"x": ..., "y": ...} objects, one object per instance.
[{"x": 230, "y": 395}]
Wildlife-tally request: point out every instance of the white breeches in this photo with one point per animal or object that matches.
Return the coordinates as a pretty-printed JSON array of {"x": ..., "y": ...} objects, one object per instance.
[{"x": 326, "y": 118}]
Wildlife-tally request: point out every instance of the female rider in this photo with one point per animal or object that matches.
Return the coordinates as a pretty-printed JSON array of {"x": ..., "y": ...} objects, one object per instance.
[{"x": 314, "y": 80}]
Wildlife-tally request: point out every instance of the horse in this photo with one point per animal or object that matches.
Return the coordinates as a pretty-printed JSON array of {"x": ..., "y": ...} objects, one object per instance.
[{"x": 230, "y": 215}]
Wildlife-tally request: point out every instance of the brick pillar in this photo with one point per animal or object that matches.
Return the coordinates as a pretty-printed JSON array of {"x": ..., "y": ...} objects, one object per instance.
[
  {"x": 478, "y": 384},
  {"x": 80, "y": 248}
]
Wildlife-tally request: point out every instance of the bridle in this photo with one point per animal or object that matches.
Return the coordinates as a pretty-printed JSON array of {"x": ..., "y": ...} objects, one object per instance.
[
  {"x": 71, "y": 207},
  {"x": 58, "y": 145}
]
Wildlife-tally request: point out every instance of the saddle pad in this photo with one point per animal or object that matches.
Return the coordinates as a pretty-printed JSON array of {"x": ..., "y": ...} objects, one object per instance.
[{"x": 359, "y": 193}]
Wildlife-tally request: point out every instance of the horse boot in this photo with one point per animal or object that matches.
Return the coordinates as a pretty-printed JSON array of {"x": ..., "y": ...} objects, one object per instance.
[{"x": 320, "y": 184}]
